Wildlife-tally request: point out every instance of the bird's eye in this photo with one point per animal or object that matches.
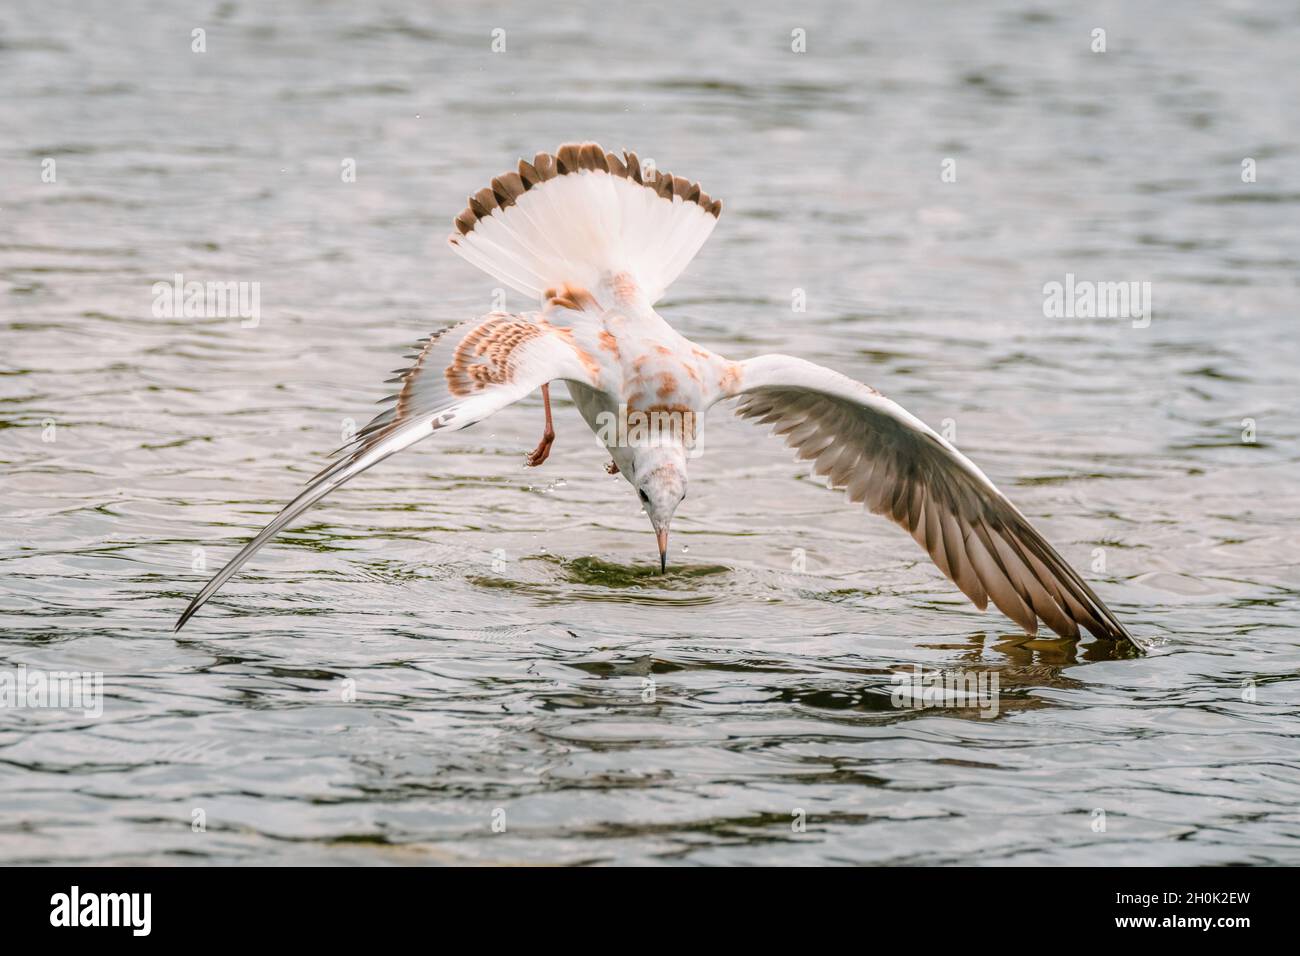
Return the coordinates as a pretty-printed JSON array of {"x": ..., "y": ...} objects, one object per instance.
[{"x": 643, "y": 496}]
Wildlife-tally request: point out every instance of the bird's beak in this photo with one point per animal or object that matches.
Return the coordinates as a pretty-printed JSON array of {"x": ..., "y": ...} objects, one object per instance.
[{"x": 662, "y": 537}]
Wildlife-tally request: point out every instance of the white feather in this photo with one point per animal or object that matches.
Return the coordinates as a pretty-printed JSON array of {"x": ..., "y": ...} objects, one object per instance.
[{"x": 583, "y": 227}]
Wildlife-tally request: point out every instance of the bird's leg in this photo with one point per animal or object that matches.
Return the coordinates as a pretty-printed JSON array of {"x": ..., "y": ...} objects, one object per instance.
[
  {"x": 612, "y": 467},
  {"x": 543, "y": 449}
]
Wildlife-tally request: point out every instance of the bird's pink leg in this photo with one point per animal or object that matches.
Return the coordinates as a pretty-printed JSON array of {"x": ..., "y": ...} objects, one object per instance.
[{"x": 543, "y": 449}]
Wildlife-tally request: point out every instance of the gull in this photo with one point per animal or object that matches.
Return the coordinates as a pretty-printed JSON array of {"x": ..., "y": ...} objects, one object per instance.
[{"x": 596, "y": 238}]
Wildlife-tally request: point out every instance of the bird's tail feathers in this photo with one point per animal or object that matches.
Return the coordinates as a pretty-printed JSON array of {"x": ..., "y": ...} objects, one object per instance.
[{"x": 585, "y": 217}]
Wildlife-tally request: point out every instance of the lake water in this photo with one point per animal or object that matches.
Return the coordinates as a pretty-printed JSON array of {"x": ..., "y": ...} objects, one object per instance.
[{"x": 526, "y": 689}]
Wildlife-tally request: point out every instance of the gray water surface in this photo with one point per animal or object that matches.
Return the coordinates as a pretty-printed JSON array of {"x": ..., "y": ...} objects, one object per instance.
[{"x": 513, "y": 659}]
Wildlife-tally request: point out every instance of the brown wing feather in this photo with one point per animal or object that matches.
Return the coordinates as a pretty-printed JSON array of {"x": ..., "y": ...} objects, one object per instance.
[
  {"x": 466, "y": 359},
  {"x": 973, "y": 534}
]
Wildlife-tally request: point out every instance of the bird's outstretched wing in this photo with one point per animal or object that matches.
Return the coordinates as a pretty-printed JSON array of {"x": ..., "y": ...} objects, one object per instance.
[
  {"x": 460, "y": 375},
  {"x": 894, "y": 464}
]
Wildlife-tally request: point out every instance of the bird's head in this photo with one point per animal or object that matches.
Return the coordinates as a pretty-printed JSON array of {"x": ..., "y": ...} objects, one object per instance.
[{"x": 661, "y": 484}]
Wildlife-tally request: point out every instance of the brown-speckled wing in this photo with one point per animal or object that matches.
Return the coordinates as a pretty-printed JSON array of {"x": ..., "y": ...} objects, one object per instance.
[
  {"x": 497, "y": 359},
  {"x": 459, "y": 376}
]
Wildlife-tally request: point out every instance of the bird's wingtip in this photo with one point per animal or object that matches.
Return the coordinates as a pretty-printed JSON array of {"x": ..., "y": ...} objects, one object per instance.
[{"x": 185, "y": 616}]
